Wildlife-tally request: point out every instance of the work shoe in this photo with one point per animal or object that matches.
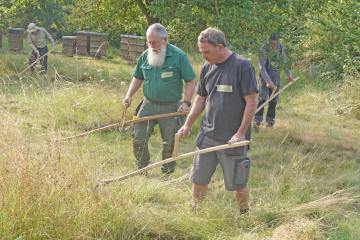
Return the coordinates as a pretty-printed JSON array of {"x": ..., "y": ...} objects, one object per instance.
[
  {"x": 270, "y": 125},
  {"x": 145, "y": 174},
  {"x": 256, "y": 126},
  {"x": 166, "y": 176},
  {"x": 243, "y": 211}
]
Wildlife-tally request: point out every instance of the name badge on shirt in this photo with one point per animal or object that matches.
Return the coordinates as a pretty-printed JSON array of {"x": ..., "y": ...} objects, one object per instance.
[
  {"x": 167, "y": 74},
  {"x": 224, "y": 88}
]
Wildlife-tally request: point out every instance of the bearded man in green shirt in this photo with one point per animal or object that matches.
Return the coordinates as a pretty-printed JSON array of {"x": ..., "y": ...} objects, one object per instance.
[{"x": 161, "y": 69}]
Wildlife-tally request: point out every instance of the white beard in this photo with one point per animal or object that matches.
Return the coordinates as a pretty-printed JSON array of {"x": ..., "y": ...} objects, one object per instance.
[{"x": 156, "y": 59}]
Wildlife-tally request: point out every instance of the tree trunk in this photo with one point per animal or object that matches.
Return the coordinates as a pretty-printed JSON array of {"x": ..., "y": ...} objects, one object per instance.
[{"x": 143, "y": 5}]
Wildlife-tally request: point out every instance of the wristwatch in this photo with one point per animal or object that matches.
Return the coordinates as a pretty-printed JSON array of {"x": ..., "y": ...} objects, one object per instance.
[{"x": 187, "y": 103}]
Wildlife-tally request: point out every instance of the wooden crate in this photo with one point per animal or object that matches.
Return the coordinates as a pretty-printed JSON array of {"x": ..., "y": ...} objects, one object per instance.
[
  {"x": 68, "y": 45},
  {"x": 91, "y": 43},
  {"x": 15, "y": 39},
  {"x": 132, "y": 46},
  {"x": 82, "y": 43},
  {"x": 98, "y": 44}
]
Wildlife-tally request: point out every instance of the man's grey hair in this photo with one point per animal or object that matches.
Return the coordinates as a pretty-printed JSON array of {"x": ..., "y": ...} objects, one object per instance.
[
  {"x": 213, "y": 36},
  {"x": 159, "y": 29}
]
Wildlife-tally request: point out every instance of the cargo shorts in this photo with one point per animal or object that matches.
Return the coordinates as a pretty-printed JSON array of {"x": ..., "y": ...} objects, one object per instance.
[{"x": 234, "y": 162}]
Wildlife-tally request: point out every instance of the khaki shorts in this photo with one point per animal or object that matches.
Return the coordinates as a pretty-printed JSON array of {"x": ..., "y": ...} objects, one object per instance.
[{"x": 234, "y": 163}]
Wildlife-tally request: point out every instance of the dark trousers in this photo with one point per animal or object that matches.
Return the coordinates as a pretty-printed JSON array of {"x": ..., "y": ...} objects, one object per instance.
[
  {"x": 264, "y": 94},
  {"x": 43, "y": 60},
  {"x": 270, "y": 115},
  {"x": 143, "y": 131}
]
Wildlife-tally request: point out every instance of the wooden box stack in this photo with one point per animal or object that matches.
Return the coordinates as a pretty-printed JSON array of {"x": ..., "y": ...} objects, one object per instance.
[
  {"x": 98, "y": 44},
  {"x": 68, "y": 45},
  {"x": 91, "y": 43},
  {"x": 132, "y": 46},
  {"x": 15, "y": 39},
  {"x": 82, "y": 43}
]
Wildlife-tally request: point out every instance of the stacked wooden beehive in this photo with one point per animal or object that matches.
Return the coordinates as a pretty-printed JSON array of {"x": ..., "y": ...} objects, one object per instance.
[
  {"x": 91, "y": 43},
  {"x": 132, "y": 46},
  {"x": 15, "y": 39},
  {"x": 68, "y": 45}
]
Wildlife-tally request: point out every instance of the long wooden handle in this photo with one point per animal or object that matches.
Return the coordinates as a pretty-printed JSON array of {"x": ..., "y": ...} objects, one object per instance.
[
  {"x": 32, "y": 64},
  {"x": 176, "y": 145},
  {"x": 172, "y": 159},
  {"x": 276, "y": 94},
  {"x": 122, "y": 118},
  {"x": 273, "y": 92},
  {"x": 86, "y": 133},
  {"x": 154, "y": 117},
  {"x": 139, "y": 120}
]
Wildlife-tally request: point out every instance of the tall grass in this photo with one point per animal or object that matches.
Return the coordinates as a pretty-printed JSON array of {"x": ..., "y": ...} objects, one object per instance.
[{"x": 304, "y": 181}]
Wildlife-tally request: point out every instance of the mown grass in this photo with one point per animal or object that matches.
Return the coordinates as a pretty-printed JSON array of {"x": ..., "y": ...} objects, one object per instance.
[{"x": 304, "y": 179}]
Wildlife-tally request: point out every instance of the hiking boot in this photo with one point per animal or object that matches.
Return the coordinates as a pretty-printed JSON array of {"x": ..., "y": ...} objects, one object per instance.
[
  {"x": 256, "y": 126},
  {"x": 270, "y": 125},
  {"x": 243, "y": 211}
]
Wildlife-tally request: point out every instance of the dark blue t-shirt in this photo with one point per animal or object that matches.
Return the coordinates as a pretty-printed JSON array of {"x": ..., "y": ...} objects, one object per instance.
[{"x": 225, "y": 86}]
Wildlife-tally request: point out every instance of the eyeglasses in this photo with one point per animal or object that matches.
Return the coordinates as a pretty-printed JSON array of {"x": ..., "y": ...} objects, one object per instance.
[{"x": 155, "y": 41}]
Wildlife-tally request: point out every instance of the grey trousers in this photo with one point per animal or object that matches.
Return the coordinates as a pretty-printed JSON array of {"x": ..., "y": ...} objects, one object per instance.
[{"x": 143, "y": 131}]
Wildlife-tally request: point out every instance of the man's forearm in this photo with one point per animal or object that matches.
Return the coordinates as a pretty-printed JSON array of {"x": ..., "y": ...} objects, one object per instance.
[
  {"x": 249, "y": 112},
  {"x": 285, "y": 62},
  {"x": 32, "y": 46},
  {"x": 196, "y": 110},
  {"x": 134, "y": 86},
  {"x": 288, "y": 72},
  {"x": 50, "y": 38},
  {"x": 189, "y": 90}
]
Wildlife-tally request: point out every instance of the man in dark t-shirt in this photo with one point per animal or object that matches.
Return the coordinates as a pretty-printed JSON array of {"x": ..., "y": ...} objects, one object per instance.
[{"x": 227, "y": 91}]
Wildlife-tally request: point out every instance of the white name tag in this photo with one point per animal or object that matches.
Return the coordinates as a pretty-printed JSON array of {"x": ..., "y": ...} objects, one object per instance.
[
  {"x": 167, "y": 74},
  {"x": 224, "y": 88}
]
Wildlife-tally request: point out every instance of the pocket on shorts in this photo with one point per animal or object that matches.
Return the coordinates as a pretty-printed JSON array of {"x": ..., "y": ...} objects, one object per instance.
[
  {"x": 242, "y": 169},
  {"x": 238, "y": 151}
]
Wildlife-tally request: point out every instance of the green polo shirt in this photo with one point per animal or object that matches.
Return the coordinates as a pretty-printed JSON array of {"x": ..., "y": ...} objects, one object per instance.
[{"x": 165, "y": 83}]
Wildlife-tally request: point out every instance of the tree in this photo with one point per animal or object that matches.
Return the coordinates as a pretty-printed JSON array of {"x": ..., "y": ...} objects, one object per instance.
[{"x": 144, "y": 6}]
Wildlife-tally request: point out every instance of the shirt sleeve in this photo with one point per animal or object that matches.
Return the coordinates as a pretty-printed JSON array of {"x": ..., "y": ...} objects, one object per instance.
[
  {"x": 138, "y": 73},
  {"x": 248, "y": 82},
  {"x": 262, "y": 65},
  {"x": 201, "y": 86},
  {"x": 31, "y": 44},
  {"x": 48, "y": 35},
  {"x": 187, "y": 71}
]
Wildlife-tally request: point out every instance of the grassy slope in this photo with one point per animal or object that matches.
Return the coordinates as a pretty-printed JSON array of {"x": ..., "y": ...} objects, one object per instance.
[{"x": 304, "y": 180}]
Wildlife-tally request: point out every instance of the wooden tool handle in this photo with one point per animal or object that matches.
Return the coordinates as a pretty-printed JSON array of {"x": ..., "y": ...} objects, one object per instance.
[
  {"x": 172, "y": 159},
  {"x": 122, "y": 118},
  {"x": 176, "y": 144},
  {"x": 276, "y": 94}
]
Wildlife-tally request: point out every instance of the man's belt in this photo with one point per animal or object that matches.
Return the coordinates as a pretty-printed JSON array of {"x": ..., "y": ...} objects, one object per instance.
[{"x": 159, "y": 102}]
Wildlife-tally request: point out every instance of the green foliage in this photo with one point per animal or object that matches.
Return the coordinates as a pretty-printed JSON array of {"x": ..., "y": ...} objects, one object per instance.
[
  {"x": 246, "y": 25},
  {"x": 333, "y": 42},
  {"x": 322, "y": 33},
  {"x": 113, "y": 17},
  {"x": 49, "y": 14}
]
